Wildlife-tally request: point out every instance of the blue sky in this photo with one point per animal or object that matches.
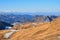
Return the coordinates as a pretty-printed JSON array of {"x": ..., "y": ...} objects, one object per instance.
[{"x": 30, "y": 5}]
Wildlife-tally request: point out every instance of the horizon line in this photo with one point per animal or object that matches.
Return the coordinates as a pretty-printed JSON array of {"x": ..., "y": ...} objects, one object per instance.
[{"x": 24, "y": 11}]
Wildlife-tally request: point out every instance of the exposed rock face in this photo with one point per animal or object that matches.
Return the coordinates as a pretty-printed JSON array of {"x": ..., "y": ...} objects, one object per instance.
[
  {"x": 46, "y": 31},
  {"x": 42, "y": 18}
]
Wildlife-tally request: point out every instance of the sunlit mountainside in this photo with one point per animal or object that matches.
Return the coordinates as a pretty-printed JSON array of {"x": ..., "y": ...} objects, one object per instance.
[
  {"x": 34, "y": 31},
  {"x": 29, "y": 27}
]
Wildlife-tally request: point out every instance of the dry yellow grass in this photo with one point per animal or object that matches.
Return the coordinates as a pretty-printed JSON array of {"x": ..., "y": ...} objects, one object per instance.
[
  {"x": 45, "y": 31},
  {"x": 2, "y": 32}
]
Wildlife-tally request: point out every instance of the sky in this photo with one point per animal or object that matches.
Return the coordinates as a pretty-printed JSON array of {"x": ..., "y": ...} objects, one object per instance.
[{"x": 30, "y": 5}]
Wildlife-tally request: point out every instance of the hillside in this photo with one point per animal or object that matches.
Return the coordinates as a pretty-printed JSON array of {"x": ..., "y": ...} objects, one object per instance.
[{"x": 38, "y": 31}]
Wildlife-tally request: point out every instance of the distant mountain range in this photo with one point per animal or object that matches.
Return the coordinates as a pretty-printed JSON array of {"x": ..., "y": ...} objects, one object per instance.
[
  {"x": 25, "y": 18},
  {"x": 14, "y": 17}
]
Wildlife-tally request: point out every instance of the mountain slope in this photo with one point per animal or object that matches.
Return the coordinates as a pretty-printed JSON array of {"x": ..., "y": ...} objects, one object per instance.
[{"x": 46, "y": 31}]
